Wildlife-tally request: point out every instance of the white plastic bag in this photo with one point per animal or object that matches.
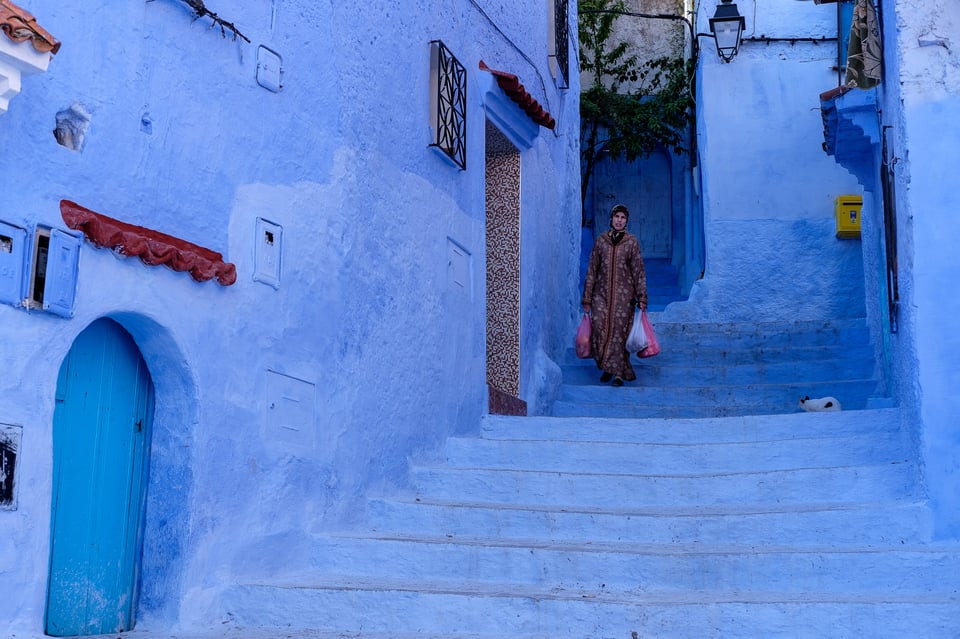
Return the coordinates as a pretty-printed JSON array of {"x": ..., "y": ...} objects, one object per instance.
[{"x": 637, "y": 340}]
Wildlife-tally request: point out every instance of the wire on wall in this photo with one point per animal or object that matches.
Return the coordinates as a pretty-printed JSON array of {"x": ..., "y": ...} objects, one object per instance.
[{"x": 543, "y": 85}]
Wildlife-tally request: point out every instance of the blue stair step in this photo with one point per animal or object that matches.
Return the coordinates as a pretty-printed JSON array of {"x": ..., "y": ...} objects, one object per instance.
[
  {"x": 632, "y": 401},
  {"x": 881, "y": 481},
  {"x": 400, "y": 607},
  {"x": 839, "y": 524},
  {"x": 641, "y": 457},
  {"x": 669, "y": 372},
  {"x": 741, "y": 428}
]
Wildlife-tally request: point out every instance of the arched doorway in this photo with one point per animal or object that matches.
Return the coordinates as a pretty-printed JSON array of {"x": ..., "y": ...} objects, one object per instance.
[{"x": 101, "y": 440}]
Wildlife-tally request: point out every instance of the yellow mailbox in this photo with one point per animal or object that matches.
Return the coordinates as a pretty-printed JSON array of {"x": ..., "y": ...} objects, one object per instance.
[{"x": 847, "y": 210}]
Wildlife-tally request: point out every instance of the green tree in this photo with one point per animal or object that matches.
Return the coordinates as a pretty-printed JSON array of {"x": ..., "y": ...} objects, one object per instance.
[{"x": 654, "y": 113}]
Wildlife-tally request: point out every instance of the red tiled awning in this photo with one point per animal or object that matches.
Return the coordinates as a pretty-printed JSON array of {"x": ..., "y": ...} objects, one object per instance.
[
  {"x": 512, "y": 86},
  {"x": 19, "y": 26},
  {"x": 152, "y": 247}
]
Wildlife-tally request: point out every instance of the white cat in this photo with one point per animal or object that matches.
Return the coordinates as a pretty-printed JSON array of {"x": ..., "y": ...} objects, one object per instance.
[{"x": 820, "y": 405}]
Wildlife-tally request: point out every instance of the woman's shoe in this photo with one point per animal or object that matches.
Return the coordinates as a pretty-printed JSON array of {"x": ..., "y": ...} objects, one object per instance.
[
  {"x": 617, "y": 382},
  {"x": 605, "y": 377}
]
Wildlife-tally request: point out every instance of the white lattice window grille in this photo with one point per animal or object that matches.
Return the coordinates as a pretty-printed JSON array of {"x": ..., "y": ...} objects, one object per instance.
[{"x": 448, "y": 104}]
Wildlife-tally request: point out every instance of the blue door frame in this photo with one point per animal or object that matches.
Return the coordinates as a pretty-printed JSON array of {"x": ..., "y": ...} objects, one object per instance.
[{"x": 101, "y": 439}]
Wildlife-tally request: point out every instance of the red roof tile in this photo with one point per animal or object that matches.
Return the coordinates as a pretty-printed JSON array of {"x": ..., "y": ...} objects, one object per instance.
[
  {"x": 20, "y": 25},
  {"x": 512, "y": 86},
  {"x": 152, "y": 247}
]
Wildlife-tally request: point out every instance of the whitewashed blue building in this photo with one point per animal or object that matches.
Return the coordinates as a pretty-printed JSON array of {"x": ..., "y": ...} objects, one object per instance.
[
  {"x": 298, "y": 215},
  {"x": 782, "y": 141},
  {"x": 255, "y": 257}
]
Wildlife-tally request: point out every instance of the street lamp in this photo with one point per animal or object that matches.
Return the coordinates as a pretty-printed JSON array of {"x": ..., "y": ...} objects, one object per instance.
[{"x": 726, "y": 25}]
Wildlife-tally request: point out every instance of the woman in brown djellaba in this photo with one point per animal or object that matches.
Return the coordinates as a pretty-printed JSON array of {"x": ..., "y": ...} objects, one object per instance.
[{"x": 616, "y": 282}]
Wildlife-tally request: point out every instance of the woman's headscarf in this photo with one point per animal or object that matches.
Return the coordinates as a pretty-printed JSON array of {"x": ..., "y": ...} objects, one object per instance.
[
  {"x": 615, "y": 235},
  {"x": 619, "y": 208}
]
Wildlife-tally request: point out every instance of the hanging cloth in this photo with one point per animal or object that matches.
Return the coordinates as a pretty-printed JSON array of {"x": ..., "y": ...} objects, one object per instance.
[{"x": 865, "y": 51}]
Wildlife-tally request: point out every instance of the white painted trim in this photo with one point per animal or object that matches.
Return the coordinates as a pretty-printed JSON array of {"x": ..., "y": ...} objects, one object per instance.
[{"x": 17, "y": 59}]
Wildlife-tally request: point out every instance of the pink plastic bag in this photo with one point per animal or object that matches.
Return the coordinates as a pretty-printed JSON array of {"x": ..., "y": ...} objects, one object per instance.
[
  {"x": 653, "y": 346},
  {"x": 583, "y": 337}
]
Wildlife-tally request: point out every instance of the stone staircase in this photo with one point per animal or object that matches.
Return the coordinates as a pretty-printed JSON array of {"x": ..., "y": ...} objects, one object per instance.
[
  {"x": 695, "y": 503},
  {"x": 662, "y": 284},
  {"x": 712, "y": 370}
]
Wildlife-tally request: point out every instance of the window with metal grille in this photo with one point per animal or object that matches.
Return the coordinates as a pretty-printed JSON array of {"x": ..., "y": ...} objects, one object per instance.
[
  {"x": 448, "y": 103},
  {"x": 560, "y": 41}
]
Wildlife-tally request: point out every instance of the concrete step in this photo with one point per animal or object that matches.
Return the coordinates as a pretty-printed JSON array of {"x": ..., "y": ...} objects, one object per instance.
[
  {"x": 848, "y": 391},
  {"x": 762, "y": 335},
  {"x": 618, "y": 488},
  {"x": 741, "y": 428},
  {"x": 396, "y": 607},
  {"x": 565, "y": 409},
  {"x": 697, "y": 372},
  {"x": 626, "y": 568},
  {"x": 836, "y": 524},
  {"x": 645, "y": 458},
  {"x": 680, "y": 354},
  {"x": 633, "y": 400}
]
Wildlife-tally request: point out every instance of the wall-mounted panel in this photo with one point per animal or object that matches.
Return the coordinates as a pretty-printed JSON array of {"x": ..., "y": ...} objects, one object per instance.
[
  {"x": 290, "y": 418},
  {"x": 13, "y": 242},
  {"x": 268, "y": 252}
]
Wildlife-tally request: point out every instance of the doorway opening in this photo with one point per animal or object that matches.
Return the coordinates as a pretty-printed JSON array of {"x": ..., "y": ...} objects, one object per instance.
[{"x": 503, "y": 273}]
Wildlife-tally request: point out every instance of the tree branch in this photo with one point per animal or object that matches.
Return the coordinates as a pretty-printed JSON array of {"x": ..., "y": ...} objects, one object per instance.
[{"x": 201, "y": 11}]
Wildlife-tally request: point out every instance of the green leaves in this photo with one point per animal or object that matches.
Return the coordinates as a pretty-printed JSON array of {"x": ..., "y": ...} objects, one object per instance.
[
  {"x": 610, "y": 67},
  {"x": 654, "y": 113}
]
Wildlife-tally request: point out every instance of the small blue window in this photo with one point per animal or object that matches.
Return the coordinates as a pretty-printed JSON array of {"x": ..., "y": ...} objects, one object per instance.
[{"x": 13, "y": 242}]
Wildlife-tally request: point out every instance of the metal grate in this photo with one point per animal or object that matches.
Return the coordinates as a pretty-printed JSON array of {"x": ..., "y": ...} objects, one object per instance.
[
  {"x": 449, "y": 103},
  {"x": 562, "y": 38}
]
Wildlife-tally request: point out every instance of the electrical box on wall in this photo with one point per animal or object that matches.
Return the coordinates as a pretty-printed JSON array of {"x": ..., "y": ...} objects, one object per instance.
[
  {"x": 847, "y": 211},
  {"x": 268, "y": 252},
  {"x": 289, "y": 422},
  {"x": 269, "y": 69}
]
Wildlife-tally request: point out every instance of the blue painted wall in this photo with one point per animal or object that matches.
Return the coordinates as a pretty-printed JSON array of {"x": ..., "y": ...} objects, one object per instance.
[
  {"x": 386, "y": 353},
  {"x": 768, "y": 192},
  {"x": 918, "y": 105},
  {"x": 927, "y": 108},
  {"x": 768, "y": 189}
]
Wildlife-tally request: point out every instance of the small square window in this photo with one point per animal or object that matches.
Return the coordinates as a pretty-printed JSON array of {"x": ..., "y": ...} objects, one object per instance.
[
  {"x": 52, "y": 284},
  {"x": 448, "y": 103}
]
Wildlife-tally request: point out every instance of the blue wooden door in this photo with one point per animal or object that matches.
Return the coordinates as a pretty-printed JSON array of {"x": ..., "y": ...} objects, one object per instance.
[
  {"x": 101, "y": 435},
  {"x": 644, "y": 185}
]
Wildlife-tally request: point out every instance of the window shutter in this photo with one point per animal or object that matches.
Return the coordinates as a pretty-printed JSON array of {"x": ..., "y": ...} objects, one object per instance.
[
  {"x": 13, "y": 242},
  {"x": 63, "y": 262}
]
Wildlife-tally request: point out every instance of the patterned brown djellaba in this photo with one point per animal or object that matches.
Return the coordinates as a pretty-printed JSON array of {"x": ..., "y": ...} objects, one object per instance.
[{"x": 615, "y": 276}]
